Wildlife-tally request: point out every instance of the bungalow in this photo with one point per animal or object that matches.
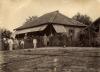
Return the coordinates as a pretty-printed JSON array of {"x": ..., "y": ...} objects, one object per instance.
[
  {"x": 92, "y": 33},
  {"x": 50, "y": 23},
  {"x": 96, "y": 27},
  {"x": 53, "y": 23}
]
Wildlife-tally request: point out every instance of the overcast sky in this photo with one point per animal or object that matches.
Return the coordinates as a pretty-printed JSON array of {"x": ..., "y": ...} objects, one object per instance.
[{"x": 13, "y": 13}]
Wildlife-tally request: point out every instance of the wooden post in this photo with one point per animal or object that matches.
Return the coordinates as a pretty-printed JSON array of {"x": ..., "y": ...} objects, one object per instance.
[
  {"x": 0, "y": 41},
  {"x": 89, "y": 37},
  {"x": 55, "y": 64},
  {"x": 99, "y": 29}
]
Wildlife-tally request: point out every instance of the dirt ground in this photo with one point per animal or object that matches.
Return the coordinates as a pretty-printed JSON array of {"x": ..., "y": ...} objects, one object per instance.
[{"x": 51, "y": 59}]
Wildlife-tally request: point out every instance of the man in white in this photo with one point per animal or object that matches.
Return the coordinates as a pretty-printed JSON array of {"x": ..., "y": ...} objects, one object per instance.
[
  {"x": 16, "y": 43},
  {"x": 22, "y": 43},
  {"x": 10, "y": 42},
  {"x": 35, "y": 43}
]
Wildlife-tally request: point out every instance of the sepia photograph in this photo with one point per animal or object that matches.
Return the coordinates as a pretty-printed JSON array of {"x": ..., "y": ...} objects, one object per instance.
[{"x": 49, "y": 35}]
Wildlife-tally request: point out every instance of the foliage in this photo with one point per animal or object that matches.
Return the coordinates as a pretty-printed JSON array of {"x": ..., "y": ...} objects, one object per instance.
[
  {"x": 82, "y": 18},
  {"x": 87, "y": 37},
  {"x": 5, "y": 33}
]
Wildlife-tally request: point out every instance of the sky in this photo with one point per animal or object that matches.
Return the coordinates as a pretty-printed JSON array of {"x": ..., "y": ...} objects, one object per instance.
[{"x": 13, "y": 13}]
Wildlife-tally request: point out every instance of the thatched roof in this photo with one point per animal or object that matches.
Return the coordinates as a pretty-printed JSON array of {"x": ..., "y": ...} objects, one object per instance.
[
  {"x": 53, "y": 18},
  {"x": 94, "y": 26}
]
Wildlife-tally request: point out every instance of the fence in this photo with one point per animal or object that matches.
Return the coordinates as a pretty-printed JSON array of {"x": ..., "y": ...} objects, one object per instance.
[{"x": 60, "y": 60}]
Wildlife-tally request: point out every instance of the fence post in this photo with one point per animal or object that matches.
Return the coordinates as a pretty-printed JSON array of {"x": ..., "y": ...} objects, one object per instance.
[
  {"x": 55, "y": 64},
  {"x": 0, "y": 41}
]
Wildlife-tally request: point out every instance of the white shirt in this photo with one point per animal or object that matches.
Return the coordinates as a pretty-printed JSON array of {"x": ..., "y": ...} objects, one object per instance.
[
  {"x": 35, "y": 41},
  {"x": 22, "y": 42},
  {"x": 10, "y": 41}
]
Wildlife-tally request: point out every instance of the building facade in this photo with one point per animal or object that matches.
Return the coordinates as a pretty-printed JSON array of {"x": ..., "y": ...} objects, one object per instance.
[{"x": 51, "y": 23}]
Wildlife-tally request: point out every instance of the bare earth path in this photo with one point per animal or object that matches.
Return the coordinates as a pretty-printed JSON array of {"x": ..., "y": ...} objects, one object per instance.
[{"x": 51, "y": 59}]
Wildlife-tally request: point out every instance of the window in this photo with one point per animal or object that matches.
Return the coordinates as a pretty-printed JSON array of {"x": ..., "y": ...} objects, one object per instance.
[{"x": 71, "y": 32}]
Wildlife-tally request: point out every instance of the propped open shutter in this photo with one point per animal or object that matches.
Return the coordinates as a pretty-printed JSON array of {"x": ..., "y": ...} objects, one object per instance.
[
  {"x": 40, "y": 28},
  {"x": 59, "y": 28}
]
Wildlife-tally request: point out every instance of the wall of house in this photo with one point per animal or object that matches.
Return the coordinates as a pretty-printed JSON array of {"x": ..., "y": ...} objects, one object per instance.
[{"x": 76, "y": 31}]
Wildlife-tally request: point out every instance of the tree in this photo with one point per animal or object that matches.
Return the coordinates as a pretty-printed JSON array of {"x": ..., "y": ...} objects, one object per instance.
[
  {"x": 87, "y": 37},
  {"x": 5, "y": 33},
  {"x": 82, "y": 18}
]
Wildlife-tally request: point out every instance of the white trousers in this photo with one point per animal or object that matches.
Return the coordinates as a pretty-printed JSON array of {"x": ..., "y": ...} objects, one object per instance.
[
  {"x": 10, "y": 47},
  {"x": 35, "y": 45}
]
